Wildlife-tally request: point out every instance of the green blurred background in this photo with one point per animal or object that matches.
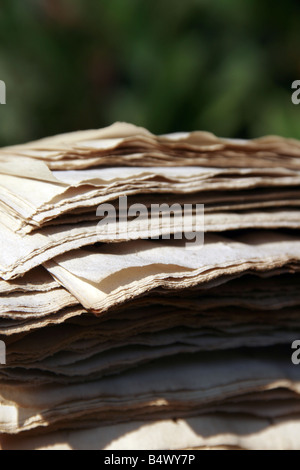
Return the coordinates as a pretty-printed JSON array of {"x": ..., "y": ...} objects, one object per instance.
[{"x": 226, "y": 66}]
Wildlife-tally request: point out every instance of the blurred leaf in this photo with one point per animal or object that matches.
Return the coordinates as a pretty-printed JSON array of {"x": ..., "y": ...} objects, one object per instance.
[{"x": 168, "y": 65}]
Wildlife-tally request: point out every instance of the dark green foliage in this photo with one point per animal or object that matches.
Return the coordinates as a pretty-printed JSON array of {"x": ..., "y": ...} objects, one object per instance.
[{"x": 226, "y": 66}]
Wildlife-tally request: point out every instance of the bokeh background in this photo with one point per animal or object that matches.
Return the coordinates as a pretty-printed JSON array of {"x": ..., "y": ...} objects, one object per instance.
[{"x": 225, "y": 66}]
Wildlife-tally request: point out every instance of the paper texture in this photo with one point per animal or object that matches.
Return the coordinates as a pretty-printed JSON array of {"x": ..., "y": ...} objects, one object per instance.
[{"x": 124, "y": 336}]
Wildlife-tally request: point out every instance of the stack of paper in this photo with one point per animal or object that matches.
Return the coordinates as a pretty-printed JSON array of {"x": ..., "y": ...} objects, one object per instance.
[{"x": 124, "y": 334}]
